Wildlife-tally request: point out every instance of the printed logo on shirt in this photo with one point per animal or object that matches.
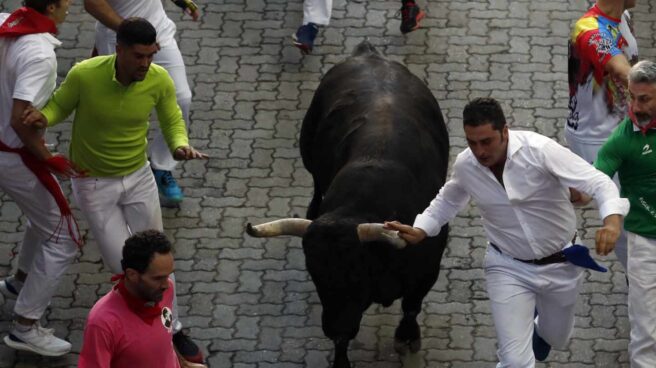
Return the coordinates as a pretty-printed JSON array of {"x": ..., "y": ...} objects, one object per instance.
[
  {"x": 646, "y": 149},
  {"x": 15, "y": 22},
  {"x": 167, "y": 318},
  {"x": 602, "y": 44},
  {"x": 647, "y": 207}
]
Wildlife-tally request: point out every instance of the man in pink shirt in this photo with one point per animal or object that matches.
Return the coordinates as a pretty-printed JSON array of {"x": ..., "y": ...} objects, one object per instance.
[{"x": 131, "y": 326}]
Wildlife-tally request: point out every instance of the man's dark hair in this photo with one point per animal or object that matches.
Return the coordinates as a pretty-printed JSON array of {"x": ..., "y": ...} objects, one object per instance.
[
  {"x": 136, "y": 31},
  {"x": 484, "y": 110},
  {"x": 40, "y": 5},
  {"x": 140, "y": 249}
]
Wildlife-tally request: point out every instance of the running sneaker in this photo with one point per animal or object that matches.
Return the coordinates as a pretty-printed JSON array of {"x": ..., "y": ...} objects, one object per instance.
[
  {"x": 38, "y": 340},
  {"x": 10, "y": 287},
  {"x": 411, "y": 15},
  {"x": 168, "y": 188},
  {"x": 187, "y": 348},
  {"x": 304, "y": 37}
]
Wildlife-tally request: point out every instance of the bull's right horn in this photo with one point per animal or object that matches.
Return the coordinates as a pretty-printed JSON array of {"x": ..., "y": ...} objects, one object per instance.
[
  {"x": 376, "y": 232},
  {"x": 288, "y": 226}
]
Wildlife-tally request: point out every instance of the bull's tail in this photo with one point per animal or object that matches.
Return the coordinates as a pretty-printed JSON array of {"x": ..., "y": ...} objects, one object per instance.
[{"x": 364, "y": 48}]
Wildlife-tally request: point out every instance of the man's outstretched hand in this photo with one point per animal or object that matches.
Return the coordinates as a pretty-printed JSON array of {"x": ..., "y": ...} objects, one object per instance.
[
  {"x": 606, "y": 237},
  {"x": 34, "y": 118},
  {"x": 188, "y": 153},
  {"x": 412, "y": 235}
]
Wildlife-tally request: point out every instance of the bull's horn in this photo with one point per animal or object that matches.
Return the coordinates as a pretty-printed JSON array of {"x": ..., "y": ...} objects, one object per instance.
[
  {"x": 288, "y": 226},
  {"x": 376, "y": 232}
]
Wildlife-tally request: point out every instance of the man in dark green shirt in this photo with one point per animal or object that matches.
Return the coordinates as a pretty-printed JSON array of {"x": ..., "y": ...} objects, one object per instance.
[{"x": 630, "y": 152}]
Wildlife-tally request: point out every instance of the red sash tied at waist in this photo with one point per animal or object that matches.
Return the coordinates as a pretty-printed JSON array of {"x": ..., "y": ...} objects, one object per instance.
[{"x": 42, "y": 171}]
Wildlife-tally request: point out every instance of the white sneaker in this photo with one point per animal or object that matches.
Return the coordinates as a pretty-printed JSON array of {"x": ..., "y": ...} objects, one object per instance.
[
  {"x": 10, "y": 287},
  {"x": 38, "y": 340}
]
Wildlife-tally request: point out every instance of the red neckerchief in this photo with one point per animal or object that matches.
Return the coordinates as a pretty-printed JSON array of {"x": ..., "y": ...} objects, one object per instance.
[
  {"x": 26, "y": 21},
  {"x": 40, "y": 170},
  {"x": 646, "y": 127},
  {"x": 147, "y": 311}
]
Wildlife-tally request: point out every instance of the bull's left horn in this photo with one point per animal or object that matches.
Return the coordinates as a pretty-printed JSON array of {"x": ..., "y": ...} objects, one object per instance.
[
  {"x": 376, "y": 232},
  {"x": 288, "y": 226}
]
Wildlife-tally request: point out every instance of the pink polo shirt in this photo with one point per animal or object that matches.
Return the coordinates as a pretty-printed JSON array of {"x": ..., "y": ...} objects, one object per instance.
[{"x": 116, "y": 336}]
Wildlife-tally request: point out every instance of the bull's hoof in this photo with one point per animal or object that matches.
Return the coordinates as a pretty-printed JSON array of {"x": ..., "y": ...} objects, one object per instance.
[
  {"x": 342, "y": 365},
  {"x": 415, "y": 346},
  {"x": 402, "y": 347}
]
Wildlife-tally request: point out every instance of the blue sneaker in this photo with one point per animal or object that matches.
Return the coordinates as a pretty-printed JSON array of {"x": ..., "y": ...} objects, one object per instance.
[
  {"x": 169, "y": 190},
  {"x": 541, "y": 348},
  {"x": 304, "y": 37}
]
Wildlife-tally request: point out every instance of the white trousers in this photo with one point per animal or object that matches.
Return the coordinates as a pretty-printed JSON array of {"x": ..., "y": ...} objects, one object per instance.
[
  {"x": 642, "y": 300},
  {"x": 516, "y": 290},
  {"x": 44, "y": 258},
  {"x": 588, "y": 151},
  {"x": 317, "y": 11},
  {"x": 170, "y": 58},
  {"x": 117, "y": 207}
]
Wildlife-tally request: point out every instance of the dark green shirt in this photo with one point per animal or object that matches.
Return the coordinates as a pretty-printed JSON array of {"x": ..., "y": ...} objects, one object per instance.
[{"x": 632, "y": 155}]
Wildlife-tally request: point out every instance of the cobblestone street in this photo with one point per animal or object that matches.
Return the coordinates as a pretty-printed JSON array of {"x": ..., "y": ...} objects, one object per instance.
[{"x": 250, "y": 302}]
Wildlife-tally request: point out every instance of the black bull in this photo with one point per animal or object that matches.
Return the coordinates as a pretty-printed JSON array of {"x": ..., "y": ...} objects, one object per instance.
[{"x": 376, "y": 145}]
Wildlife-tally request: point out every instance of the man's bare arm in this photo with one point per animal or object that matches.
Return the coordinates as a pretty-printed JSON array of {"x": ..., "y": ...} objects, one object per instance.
[
  {"x": 103, "y": 12},
  {"x": 31, "y": 137},
  {"x": 618, "y": 67}
]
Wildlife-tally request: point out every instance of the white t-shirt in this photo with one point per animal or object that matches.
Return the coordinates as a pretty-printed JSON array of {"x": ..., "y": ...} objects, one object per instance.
[
  {"x": 28, "y": 72},
  {"x": 151, "y": 10}
]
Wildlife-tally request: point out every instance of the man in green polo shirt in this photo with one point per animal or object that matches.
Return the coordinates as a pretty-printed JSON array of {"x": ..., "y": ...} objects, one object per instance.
[
  {"x": 113, "y": 97},
  {"x": 631, "y": 152}
]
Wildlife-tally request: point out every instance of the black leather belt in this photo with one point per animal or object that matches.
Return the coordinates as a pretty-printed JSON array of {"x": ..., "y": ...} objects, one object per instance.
[{"x": 557, "y": 257}]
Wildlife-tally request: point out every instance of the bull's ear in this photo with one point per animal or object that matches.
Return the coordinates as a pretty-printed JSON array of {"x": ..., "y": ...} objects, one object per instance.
[{"x": 376, "y": 232}]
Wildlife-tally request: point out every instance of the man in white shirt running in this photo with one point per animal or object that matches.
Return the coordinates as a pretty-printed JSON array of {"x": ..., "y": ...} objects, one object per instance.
[
  {"x": 520, "y": 181},
  {"x": 28, "y": 74},
  {"x": 110, "y": 14}
]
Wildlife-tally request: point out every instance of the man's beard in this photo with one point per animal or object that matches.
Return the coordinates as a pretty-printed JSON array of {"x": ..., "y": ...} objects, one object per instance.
[{"x": 643, "y": 119}]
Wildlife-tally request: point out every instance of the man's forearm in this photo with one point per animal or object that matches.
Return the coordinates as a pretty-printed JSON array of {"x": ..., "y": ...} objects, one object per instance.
[
  {"x": 614, "y": 220},
  {"x": 32, "y": 138},
  {"x": 103, "y": 12},
  {"x": 618, "y": 67}
]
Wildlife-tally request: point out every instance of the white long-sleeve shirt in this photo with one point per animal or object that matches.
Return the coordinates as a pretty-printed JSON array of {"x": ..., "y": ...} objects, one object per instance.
[
  {"x": 28, "y": 72},
  {"x": 532, "y": 217}
]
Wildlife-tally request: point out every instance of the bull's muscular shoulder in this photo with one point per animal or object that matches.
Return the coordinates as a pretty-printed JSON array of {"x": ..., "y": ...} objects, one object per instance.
[{"x": 368, "y": 71}]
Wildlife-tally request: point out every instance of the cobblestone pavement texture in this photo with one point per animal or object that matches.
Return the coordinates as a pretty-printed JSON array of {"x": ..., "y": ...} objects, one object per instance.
[{"x": 251, "y": 303}]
